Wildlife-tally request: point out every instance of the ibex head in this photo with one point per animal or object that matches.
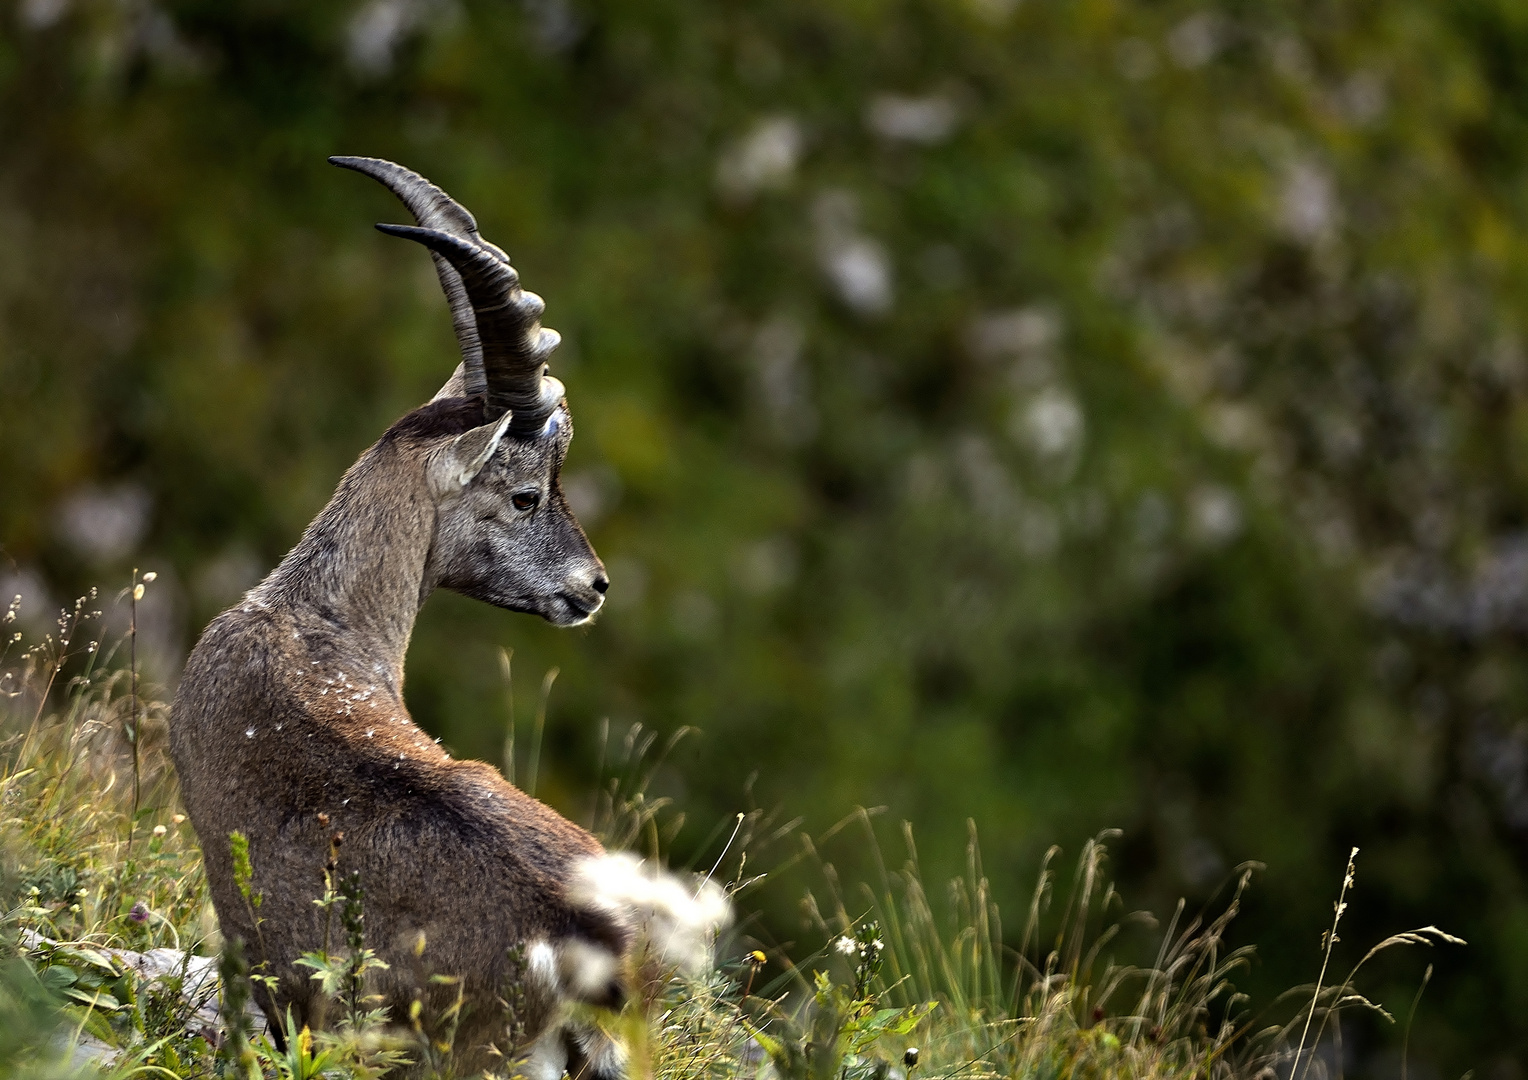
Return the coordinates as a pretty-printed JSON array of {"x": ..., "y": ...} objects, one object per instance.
[{"x": 500, "y": 426}]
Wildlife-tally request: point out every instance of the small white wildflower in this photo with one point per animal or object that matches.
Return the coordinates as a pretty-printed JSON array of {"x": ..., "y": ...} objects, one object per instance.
[
  {"x": 846, "y": 945},
  {"x": 160, "y": 830},
  {"x": 249, "y": 733}
]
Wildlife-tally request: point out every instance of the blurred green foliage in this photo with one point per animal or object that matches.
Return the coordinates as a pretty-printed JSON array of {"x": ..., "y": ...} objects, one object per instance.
[{"x": 1058, "y": 414}]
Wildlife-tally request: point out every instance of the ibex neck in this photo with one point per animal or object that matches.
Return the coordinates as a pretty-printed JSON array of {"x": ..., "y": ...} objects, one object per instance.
[{"x": 357, "y": 576}]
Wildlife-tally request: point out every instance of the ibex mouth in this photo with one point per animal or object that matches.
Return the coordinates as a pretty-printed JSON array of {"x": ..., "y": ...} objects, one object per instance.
[{"x": 579, "y": 610}]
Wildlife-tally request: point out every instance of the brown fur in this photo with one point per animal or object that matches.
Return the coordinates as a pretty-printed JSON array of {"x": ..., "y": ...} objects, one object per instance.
[{"x": 289, "y": 725}]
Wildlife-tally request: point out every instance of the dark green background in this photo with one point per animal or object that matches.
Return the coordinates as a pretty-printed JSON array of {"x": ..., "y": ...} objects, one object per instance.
[{"x": 1255, "y": 270}]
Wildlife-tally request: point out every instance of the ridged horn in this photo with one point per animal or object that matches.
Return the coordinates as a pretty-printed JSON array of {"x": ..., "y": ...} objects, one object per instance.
[{"x": 504, "y": 347}]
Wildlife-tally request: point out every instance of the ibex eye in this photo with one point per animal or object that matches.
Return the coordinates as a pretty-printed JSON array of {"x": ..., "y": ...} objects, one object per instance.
[{"x": 524, "y": 500}]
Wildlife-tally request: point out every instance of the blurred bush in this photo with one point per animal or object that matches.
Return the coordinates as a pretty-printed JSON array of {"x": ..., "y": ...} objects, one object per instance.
[{"x": 1063, "y": 415}]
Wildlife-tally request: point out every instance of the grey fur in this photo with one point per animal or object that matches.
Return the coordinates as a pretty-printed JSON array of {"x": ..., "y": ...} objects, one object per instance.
[{"x": 289, "y": 726}]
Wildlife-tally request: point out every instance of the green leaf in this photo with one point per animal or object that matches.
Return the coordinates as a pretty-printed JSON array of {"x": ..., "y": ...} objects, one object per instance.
[
  {"x": 57, "y": 978},
  {"x": 98, "y": 999},
  {"x": 768, "y": 1043}
]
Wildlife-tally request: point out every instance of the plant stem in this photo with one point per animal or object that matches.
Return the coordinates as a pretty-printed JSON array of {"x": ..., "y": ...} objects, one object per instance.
[
  {"x": 1331, "y": 939},
  {"x": 132, "y": 722},
  {"x": 534, "y": 767}
]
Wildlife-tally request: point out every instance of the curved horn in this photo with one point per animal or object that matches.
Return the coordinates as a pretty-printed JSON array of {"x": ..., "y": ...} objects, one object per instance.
[
  {"x": 504, "y": 348},
  {"x": 515, "y": 345},
  {"x": 434, "y": 209}
]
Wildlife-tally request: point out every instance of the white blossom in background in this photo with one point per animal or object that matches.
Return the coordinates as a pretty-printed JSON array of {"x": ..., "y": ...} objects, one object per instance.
[
  {"x": 1291, "y": 58},
  {"x": 375, "y": 31},
  {"x": 861, "y": 271},
  {"x": 1197, "y": 40},
  {"x": 104, "y": 524},
  {"x": 994, "y": 11},
  {"x": 921, "y": 120},
  {"x": 159, "y": 38},
  {"x": 856, "y": 265},
  {"x": 1362, "y": 99},
  {"x": 764, "y": 159},
  {"x": 782, "y": 384},
  {"x": 1034, "y": 526},
  {"x": 556, "y": 27},
  {"x": 38, "y": 609},
  {"x": 1039, "y": 531},
  {"x": 1308, "y": 208},
  {"x": 1235, "y": 425},
  {"x": 41, "y": 14},
  {"x": 143, "y": 31},
  {"x": 1214, "y": 514},
  {"x": 379, "y": 27},
  {"x": 1014, "y": 332},
  {"x": 766, "y": 566},
  {"x": 989, "y": 487},
  {"x": 1051, "y": 423}
]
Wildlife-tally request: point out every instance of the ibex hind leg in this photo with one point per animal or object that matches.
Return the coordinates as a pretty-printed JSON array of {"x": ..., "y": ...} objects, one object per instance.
[{"x": 592, "y": 1053}]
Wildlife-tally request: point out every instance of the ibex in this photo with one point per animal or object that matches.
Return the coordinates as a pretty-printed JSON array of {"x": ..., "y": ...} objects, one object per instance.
[{"x": 289, "y": 723}]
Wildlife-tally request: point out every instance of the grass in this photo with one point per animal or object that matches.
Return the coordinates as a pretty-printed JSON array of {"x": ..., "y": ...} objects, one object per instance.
[{"x": 97, "y": 863}]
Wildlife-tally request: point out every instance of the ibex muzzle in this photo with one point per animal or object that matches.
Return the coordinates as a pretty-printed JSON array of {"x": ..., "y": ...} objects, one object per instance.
[
  {"x": 289, "y": 724},
  {"x": 505, "y": 534}
]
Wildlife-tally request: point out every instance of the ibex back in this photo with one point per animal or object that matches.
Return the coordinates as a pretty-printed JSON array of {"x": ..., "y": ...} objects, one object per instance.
[{"x": 289, "y": 724}]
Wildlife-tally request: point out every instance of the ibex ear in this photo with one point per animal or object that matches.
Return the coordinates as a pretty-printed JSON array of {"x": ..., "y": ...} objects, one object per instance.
[
  {"x": 455, "y": 465},
  {"x": 456, "y": 385}
]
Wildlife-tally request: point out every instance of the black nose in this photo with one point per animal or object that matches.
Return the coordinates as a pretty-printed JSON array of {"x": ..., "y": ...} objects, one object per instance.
[{"x": 600, "y": 584}]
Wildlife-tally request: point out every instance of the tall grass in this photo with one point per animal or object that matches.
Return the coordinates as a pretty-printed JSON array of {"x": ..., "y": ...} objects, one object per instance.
[{"x": 98, "y": 866}]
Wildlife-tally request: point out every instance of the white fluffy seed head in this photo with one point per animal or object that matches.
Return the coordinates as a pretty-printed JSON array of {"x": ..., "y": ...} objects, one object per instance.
[{"x": 676, "y": 920}]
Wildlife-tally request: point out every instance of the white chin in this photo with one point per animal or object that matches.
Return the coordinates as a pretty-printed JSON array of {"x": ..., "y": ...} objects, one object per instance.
[{"x": 572, "y": 616}]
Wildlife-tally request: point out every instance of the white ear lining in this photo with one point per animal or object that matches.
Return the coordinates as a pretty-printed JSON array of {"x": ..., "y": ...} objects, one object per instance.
[{"x": 467, "y": 471}]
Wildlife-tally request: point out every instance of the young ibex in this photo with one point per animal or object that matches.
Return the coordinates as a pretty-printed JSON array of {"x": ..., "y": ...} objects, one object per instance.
[{"x": 289, "y": 724}]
